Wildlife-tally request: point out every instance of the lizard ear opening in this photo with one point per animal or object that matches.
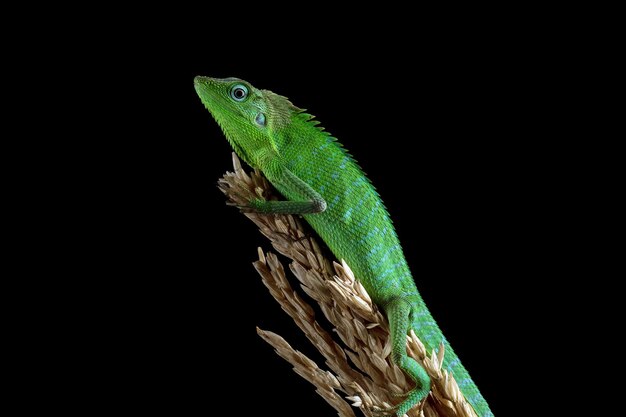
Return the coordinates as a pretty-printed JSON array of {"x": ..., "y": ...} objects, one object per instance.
[{"x": 260, "y": 119}]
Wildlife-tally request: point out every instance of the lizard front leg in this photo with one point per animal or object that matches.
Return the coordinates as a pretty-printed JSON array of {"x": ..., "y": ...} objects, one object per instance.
[{"x": 312, "y": 202}]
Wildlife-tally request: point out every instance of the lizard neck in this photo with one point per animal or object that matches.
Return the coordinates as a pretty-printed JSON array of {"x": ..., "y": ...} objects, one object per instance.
[{"x": 297, "y": 135}]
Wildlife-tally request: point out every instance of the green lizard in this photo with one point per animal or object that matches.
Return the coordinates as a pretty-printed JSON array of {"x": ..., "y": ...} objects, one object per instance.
[{"x": 322, "y": 182}]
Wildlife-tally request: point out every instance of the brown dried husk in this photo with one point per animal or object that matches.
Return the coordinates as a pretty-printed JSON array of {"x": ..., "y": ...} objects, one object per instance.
[{"x": 359, "y": 372}]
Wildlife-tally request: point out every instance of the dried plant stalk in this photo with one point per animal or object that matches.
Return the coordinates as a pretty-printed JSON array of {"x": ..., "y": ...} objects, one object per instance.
[{"x": 368, "y": 380}]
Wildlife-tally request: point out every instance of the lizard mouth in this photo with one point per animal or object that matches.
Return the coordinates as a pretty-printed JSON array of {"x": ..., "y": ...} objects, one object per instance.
[{"x": 208, "y": 90}]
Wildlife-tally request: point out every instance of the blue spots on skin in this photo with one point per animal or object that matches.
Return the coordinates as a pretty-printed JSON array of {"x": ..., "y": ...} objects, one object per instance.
[
  {"x": 369, "y": 235},
  {"x": 355, "y": 188},
  {"x": 475, "y": 399},
  {"x": 364, "y": 220},
  {"x": 464, "y": 382},
  {"x": 421, "y": 314},
  {"x": 429, "y": 323},
  {"x": 333, "y": 203},
  {"x": 374, "y": 251},
  {"x": 295, "y": 161},
  {"x": 358, "y": 182},
  {"x": 454, "y": 363},
  {"x": 372, "y": 212},
  {"x": 322, "y": 188},
  {"x": 386, "y": 272},
  {"x": 347, "y": 214},
  {"x": 430, "y": 335},
  {"x": 394, "y": 268},
  {"x": 384, "y": 258},
  {"x": 334, "y": 175}
]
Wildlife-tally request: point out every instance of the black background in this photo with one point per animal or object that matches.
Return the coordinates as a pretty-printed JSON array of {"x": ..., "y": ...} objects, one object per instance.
[
  {"x": 138, "y": 284},
  {"x": 449, "y": 133}
]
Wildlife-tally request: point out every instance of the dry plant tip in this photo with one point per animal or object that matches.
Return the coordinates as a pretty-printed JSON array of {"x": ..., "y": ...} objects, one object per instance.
[{"x": 368, "y": 380}]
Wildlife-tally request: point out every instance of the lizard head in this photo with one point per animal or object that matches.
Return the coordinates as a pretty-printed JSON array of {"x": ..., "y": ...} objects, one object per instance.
[{"x": 249, "y": 117}]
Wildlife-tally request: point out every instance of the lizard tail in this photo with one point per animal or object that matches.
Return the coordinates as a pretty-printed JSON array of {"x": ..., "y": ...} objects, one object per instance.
[
  {"x": 469, "y": 389},
  {"x": 428, "y": 331}
]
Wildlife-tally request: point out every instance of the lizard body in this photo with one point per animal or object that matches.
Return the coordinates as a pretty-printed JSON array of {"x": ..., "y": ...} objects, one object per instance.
[{"x": 324, "y": 184}]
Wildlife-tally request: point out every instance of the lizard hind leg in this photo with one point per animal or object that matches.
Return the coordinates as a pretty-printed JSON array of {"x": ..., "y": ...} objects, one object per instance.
[{"x": 398, "y": 313}]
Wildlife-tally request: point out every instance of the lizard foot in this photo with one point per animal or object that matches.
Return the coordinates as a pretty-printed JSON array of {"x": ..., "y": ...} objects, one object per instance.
[
  {"x": 398, "y": 410},
  {"x": 416, "y": 398}
]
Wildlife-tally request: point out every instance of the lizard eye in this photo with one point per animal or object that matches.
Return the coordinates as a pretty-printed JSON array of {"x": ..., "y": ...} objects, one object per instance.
[{"x": 238, "y": 92}]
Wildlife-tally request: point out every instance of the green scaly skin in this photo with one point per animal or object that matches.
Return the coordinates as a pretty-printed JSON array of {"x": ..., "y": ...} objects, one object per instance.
[{"x": 322, "y": 182}]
